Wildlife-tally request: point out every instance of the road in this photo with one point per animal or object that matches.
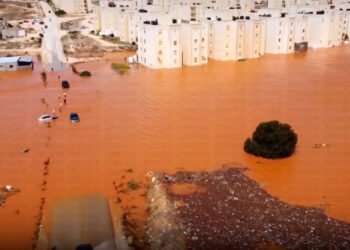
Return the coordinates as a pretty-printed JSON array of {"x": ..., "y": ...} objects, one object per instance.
[{"x": 52, "y": 49}]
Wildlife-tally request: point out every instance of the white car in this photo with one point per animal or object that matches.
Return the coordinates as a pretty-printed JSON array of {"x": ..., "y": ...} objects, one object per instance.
[{"x": 45, "y": 118}]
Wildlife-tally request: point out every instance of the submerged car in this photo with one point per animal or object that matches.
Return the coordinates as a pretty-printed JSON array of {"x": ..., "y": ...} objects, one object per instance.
[
  {"x": 74, "y": 117},
  {"x": 65, "y": 84},
  {"x": 45, "y": 118}
]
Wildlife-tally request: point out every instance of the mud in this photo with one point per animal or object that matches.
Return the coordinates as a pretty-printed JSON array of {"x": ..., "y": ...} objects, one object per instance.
[{"x": 193, "y": 119}]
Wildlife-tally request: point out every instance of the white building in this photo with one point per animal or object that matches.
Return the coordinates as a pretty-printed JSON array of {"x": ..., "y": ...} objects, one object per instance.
[
  {"x": 187, "y": 12},
  {"x": 194, "y": 42},
  {"x": 237, "y": 40},
  {"x": 327, "y": 29},
  {"x": 301, "y": 34},
  {"x": 106, "y": 20},
  {"x": 255, "y": 37},
  {"x": 15, "y": 63},
  {"x": 74, "y": 6},
  {"x": 227, "y": 40},
  {"x": 280, "y": 35},
  {"x": 159, "y": 46}
]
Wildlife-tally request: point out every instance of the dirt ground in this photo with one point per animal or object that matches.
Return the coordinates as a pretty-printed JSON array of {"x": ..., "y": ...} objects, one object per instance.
[
  {"x": 19, "y": 11},
  {"x": 229, "y": 210},
  {"x": 78, "y": 45}
]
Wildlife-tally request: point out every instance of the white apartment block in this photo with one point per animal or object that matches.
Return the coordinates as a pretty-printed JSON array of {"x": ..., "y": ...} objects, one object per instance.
[
  {"x": 301, "y": 33},
  {"x": 280, "y": 35},
  {"x": 186, "y": 12},
  {"x": 159, "y": 46},
  {"x": 106, "y": 20},
  {"x": 255, "y": 36},
  {"x": 194, "y": 42},
  {"x": 223, "y": 40},
  {"x": 74, "y": 6},
  {"x": 326, "y": 30}
]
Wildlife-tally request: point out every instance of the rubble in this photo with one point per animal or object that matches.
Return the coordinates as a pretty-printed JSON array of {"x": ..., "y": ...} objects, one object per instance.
[{"x": 236, "y": 213}]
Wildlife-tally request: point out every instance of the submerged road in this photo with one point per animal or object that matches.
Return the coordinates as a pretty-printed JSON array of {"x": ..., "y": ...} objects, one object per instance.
[{"x": 52, "y": 49}]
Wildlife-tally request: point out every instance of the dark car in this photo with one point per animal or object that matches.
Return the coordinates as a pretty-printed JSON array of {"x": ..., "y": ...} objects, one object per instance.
[
  {"x": 74, "y": 117},
  {"x": 65, "y": 84}
]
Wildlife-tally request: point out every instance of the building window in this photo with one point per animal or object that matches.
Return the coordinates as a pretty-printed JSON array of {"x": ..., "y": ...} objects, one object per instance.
[
  {"x": 160, "y": 52},
  {"x": 175, "y": 43},
  {"x": 202, "y": 39},
  {"x": 159, "y": 32},
  {"x": 11, "y": 66},
  {"x": 160, "y": 42},
  {"x": 195, "y": 40},
  {"x": 195, "y": 59}
]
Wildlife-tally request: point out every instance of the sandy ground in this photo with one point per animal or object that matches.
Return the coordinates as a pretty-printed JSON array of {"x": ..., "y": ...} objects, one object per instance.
[
  {"x": 17, "y": 10},
  {"x": 193, "y": 119}
]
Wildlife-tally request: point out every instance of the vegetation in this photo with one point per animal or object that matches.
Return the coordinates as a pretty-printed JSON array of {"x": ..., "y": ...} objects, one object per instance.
[
  {"x": 85, "y": 73},
  {"x": 121, "y": 68},
  {"x": 60, "y": 12},
  {"x": 133, "y": 185},
  {"x": 272, "y": 140}
]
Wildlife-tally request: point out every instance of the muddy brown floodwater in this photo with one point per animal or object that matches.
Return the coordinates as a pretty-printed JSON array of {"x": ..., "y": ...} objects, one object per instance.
[{"x": 194, "y": 118}]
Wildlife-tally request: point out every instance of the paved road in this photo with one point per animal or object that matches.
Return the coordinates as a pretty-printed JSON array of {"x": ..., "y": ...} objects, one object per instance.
[
  {"x": 52, "y": 49},
  {"x": 82, "y": 220}
]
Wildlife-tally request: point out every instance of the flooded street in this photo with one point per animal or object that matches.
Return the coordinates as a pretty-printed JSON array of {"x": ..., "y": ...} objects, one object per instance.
[{"x": 194, "y": 118}]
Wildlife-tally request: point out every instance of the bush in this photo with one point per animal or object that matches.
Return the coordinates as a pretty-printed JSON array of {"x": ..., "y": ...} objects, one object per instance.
[
  {"x": 272, "y": 140},
  {"x": 85, "y": 73},
  {"x": 60, "y": 12},
  {"x": 121, "y": 68},
  {"x": 133, "y": 185}
]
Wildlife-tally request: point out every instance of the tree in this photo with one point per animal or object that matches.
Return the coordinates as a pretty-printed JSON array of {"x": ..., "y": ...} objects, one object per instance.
[
  {"x": 272, "y": 140},
  {"x": 85, "y": 73},
  {"x": 60, "y": 12}
]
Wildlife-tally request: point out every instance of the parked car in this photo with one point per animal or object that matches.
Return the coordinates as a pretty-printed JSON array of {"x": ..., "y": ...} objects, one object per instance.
[
  {"x": 45, "y": 118},
  {"x": 65, "y": 84},
  {"x": 74, "y": 117}
]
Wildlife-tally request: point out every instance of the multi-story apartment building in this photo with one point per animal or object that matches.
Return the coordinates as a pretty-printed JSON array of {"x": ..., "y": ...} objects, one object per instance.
[
  {"x": 255, "y": 36},
  {"x": 187, "y": 12},
  {"x": 280, "y": 35},
  {"x": 74, "y": 6},
  {"x": 301, "y": 34},
  {"x": 159, "y": 46},
  {"x": 194, "y": 42},
  {"x": 227, "y": 40},
  {"x": 327, "y": 29}
]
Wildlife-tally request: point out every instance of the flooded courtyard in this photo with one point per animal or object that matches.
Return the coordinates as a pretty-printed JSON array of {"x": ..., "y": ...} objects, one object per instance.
[{"x": 194, "y": 118}]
